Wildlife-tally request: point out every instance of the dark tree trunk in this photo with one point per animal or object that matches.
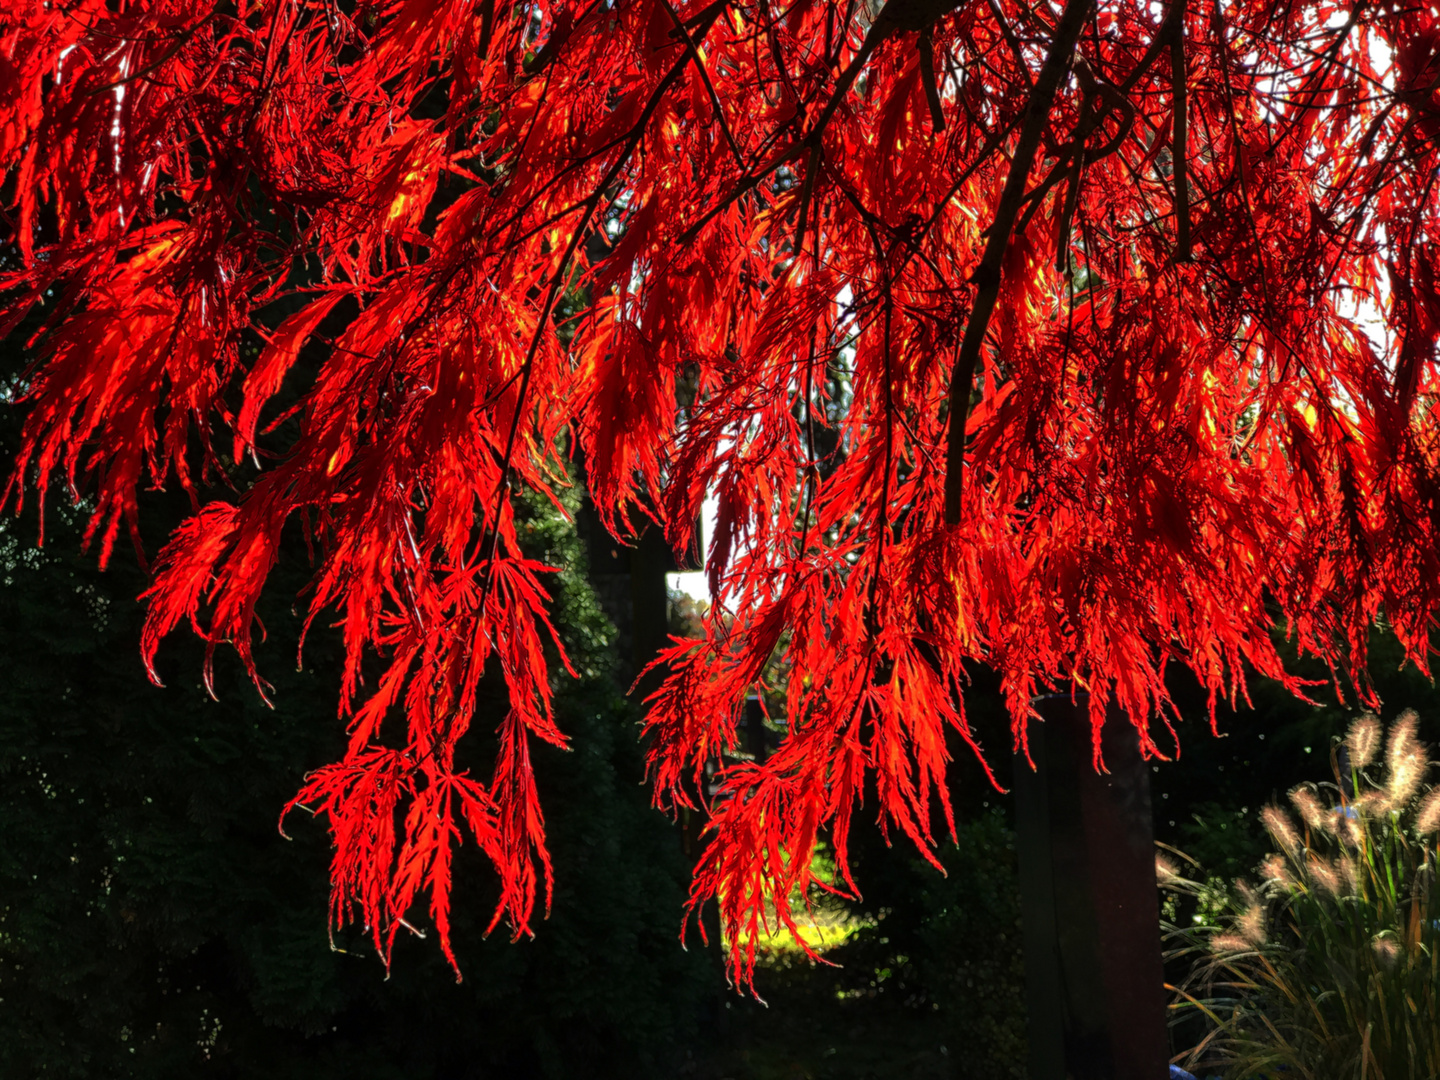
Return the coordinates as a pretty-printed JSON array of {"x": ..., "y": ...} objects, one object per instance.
[{"x": 1093, "y": 973}]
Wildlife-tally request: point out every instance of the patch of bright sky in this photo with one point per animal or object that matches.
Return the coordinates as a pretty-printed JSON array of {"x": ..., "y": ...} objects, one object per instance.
[{"x": 692, "y": 583}]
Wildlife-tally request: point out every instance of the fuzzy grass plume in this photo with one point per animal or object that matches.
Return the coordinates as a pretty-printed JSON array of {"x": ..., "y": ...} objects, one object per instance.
[{"x": 1329, "y": 970}]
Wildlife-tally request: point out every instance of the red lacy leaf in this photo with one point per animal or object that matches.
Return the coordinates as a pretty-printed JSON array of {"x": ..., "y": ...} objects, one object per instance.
[{"x": 726, "y": 251}]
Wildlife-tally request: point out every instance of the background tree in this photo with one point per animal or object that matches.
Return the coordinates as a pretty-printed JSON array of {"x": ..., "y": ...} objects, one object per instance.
[{"x": 1074, "y": 341}]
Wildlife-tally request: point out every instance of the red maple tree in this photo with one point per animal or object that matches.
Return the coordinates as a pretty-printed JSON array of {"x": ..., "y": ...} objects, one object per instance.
[{"x": 1068, "y": 340}]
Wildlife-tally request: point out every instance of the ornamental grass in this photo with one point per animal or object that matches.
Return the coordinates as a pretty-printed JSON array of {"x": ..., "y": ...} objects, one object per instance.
[{"x": 1327, "y": 970}]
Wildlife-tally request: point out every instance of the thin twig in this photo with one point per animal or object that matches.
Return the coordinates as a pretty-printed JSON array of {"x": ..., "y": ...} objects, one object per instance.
[
  {"x": 709, "y": 86},
  {"x": 552, "y": 294}
]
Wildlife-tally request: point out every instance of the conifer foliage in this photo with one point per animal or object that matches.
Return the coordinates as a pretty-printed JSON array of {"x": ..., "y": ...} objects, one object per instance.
[{"x": 1071, "y": 339}]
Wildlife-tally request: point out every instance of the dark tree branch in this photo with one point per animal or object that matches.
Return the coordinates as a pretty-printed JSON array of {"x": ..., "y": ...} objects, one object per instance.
[
  {"x": 987, "y": 274},
  {"x": 897, "y": 16},
  {"x": 1179, "y": 140},
  {"x": 1152, "y": 53},
  {"x": 927, "y": 79}
]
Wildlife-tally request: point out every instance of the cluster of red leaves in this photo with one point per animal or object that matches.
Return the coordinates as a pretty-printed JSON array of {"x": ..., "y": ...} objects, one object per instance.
[{"x": 1162, "y": 279}]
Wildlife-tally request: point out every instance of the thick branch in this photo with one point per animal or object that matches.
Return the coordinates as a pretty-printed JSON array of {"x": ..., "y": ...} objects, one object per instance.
[
  {"x": 1179, "y": 140},
  {"x": 987, "y": 274},
  {"x": 927, "y": 80}
]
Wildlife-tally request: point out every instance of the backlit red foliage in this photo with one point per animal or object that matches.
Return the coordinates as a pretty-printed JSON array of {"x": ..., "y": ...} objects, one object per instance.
[{"x": 1163, "y": 279}]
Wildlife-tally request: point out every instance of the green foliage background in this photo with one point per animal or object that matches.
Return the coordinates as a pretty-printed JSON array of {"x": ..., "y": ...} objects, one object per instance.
[{"x": 153, "y": 922}]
